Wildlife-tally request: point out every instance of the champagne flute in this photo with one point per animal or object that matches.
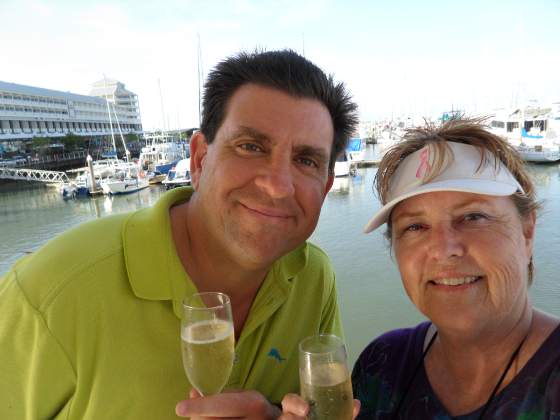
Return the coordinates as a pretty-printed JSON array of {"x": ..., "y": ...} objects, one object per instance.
[
  {"x": 207, "y": 341},
  {"x": 324, "y": 378}
]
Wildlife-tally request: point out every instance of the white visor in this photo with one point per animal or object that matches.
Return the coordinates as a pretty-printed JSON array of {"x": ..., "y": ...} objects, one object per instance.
[{"x": 461, "y": 172}]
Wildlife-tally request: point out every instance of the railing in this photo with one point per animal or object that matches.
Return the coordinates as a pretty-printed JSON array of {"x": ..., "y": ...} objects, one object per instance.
[
  {"x": 39, "y": 161},
  {"x": 39, "y": 175}
]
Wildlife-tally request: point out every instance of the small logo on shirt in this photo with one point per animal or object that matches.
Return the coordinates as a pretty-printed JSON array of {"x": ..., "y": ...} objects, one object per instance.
[{"x": 275, "y": 354}]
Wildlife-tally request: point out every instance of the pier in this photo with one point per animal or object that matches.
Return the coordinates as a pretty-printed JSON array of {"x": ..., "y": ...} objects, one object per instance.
[{"x": 39, "y": 175}]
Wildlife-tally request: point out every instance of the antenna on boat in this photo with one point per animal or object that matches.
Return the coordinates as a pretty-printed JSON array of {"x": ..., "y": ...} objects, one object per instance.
[
  {"x": 161, "y": 103},
  {"x": 200, "y": 81},
  {"x": 109, "y": 112}
]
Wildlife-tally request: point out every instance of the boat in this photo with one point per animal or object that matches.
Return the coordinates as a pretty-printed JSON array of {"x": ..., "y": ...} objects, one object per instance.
[
  {"x": 347, "y": 161},
  {"x": 356, "y": 149},
  {"x": 112, "y": 175},
  {"x": 162, "y": 152},
  {"x": 155, "y": 177},
  {"x": 342, "y": 165},
  {"x": 125, "y": 183},
  {"x": 179, "y": 176},
  {"x": 532, "y": 130}
]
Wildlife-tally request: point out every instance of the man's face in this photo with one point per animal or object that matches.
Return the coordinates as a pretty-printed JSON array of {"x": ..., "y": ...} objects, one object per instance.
[{"x": 263, "y": 179}]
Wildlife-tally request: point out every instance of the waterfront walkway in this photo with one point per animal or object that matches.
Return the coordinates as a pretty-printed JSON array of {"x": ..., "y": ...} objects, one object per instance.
[{"x": 40, "y": 175}]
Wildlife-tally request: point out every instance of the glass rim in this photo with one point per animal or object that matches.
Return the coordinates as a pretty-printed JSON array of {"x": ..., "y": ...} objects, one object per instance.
[
  {"x": 339, "y": 340},
  {"x": 226, "y": 302}
]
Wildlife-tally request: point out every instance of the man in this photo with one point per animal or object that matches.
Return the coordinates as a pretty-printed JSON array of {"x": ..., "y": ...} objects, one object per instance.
[{"x": 90, "y": 323}]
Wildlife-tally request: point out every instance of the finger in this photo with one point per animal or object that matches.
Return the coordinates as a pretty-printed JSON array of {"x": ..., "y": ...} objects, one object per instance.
[
  {"x": 356, "y": 408},
  {"x": 194, "y": 394},
  {"x": 221, "y": 405},
  {"x": 290, "y": 416},
  {"x": 294, "y": 404}
]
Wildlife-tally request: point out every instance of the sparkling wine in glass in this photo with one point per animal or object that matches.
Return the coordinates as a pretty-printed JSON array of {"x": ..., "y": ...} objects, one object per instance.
[
  {"x": 324, "y": 378},
  {"x": 207, "y": 341}
]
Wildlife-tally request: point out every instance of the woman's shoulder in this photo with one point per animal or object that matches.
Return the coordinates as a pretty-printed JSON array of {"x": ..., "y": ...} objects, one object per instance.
[
  {"x": 392, "y": 352},
  {"x": 398, "y": 341}
]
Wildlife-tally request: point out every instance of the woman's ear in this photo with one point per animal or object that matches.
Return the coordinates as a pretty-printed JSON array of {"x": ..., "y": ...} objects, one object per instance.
[{"x": 529, "y": 224}]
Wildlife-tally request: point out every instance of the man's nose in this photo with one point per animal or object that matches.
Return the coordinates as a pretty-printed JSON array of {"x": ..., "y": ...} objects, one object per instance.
[{"x": 276, "y": 178}]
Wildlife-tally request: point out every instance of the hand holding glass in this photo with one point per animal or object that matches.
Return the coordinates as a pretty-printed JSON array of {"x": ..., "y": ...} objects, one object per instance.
[
  {"x": 207, "y": 341},
  {"x": 324, "y": 378}
]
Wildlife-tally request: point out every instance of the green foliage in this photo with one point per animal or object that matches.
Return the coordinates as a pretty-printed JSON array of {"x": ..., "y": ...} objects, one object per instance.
[
  {"x": 39, "y": 142},
  {"x": 72, "y": 142}
]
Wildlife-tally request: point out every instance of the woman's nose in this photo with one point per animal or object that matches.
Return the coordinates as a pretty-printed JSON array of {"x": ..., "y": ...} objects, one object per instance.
[{"x": 445, "y": 242}]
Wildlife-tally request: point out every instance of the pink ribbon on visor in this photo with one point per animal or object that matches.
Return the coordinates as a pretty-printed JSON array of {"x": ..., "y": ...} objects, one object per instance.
[{"x": 424, "y": 163}]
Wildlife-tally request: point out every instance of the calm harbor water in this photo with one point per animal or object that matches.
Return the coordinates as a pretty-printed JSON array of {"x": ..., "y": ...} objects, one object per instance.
[{"x": 371, "y": 296}]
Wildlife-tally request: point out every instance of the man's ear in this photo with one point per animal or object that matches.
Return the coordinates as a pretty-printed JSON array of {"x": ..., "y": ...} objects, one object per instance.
[
  {"x": 330, "y": 181},
  {"x": 198, "y": 150}
]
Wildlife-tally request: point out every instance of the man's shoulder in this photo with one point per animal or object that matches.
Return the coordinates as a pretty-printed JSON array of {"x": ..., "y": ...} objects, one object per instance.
[
  {"x": 317, "y": 259},
  {"x": 66, "y": 256}
]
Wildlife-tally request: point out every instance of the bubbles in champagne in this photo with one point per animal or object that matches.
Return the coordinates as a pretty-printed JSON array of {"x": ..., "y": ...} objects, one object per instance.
[{"x": 208, "y": 348}]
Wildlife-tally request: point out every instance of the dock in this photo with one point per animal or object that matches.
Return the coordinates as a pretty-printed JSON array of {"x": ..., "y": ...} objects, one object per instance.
[{"x": 367, "y": 163}]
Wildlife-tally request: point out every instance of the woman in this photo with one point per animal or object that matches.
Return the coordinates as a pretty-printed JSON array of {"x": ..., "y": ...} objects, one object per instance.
[{"x": 460, "y": 211}]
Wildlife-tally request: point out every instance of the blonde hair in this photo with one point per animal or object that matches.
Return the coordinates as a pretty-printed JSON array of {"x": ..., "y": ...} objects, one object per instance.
[{"x": 470, "y": 131}]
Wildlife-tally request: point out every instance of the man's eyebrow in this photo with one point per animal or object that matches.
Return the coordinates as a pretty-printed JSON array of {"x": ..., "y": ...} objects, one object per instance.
[{"x": 249, "y": 132}]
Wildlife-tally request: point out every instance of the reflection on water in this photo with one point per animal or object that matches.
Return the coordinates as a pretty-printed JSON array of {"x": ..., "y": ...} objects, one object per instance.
[{"x": 371, "y": 296}]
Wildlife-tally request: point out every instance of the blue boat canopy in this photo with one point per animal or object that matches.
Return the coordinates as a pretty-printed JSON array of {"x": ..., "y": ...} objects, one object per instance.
[
  {"x": 355, "y": 145},
  {"x": 526, "y": 135}
]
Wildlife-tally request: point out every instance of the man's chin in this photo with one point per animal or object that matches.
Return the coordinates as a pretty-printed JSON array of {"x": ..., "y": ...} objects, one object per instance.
[{"x": 260, "y": 254}]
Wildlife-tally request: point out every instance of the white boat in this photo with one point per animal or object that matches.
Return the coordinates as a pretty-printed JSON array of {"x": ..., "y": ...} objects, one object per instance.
[
  {"x": 155, "y": 177},
  {"x": 356, "y": 149},
  {"x": 162, "y": 152},
  {"x": 346, "y": 163},
  {"x": 178, "y": 176},
  {"x": 124, "y": 183},
  {"x": 532, "y": 130},
  {"x": 342, "y": 165}
]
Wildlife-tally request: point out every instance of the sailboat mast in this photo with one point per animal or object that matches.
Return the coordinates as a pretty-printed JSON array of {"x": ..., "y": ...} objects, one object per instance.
[
  {"x": 109, "y": 112},
  {"x": 199, "y": 71},
  {"x": 126, "y": 152},
  {"x": 161, "y": 103}
]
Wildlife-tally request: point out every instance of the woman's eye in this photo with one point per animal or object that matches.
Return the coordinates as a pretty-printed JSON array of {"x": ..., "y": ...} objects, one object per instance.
[
  {"x": 473, "y": 217},
  {"x": 413, "y": 227}
]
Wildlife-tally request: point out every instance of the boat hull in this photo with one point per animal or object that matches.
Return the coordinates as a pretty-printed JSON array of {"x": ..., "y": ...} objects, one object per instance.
[{"x": 126, "y": 186}]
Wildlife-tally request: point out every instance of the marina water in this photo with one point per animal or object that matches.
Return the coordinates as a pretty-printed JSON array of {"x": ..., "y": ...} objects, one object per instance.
[{"x": 371, "y": 295}]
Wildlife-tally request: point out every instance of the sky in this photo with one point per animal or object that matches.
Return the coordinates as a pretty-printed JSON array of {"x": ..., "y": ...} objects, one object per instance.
[{"x": 397, "y": 58}]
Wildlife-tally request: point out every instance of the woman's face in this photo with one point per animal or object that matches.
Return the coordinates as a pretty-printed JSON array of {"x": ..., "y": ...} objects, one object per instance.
[{"x": 463, "y": 258}]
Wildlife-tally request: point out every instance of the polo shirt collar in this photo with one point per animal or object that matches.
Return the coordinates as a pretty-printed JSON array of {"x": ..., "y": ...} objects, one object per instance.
[{"x": 154, "y": 269}]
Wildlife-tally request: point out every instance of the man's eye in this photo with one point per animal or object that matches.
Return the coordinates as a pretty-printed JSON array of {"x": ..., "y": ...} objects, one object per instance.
[
  {"x": 250, "y": 147},
  {"x": 308, "y": 162}
]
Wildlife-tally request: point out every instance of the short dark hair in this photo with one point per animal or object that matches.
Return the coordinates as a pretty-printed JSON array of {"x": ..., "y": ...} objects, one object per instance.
[{"x": 288, "y": 72}]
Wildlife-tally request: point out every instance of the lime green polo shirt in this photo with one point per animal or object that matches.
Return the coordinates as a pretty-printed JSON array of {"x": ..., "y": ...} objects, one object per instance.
[{"x": 90, "y": 323}]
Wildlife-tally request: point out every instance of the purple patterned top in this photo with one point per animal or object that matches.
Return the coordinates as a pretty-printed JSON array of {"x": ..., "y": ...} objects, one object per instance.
[{"x": 383, "y": 371}]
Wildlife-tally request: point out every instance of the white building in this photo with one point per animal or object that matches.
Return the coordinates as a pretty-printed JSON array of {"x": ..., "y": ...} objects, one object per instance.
[{"x": 27, "y": 111}]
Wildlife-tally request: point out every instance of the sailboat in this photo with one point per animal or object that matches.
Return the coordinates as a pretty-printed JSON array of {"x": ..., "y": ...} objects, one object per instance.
[{"x": 127, "y": 178}]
